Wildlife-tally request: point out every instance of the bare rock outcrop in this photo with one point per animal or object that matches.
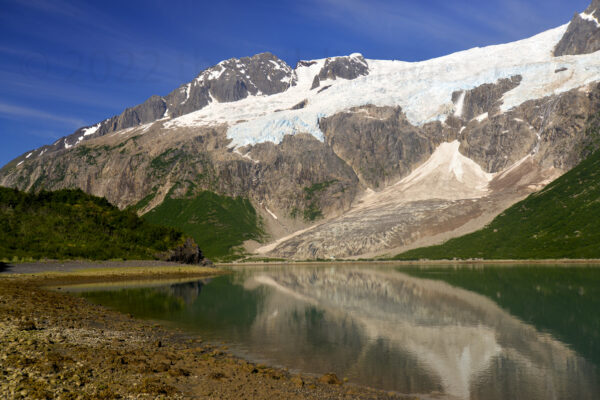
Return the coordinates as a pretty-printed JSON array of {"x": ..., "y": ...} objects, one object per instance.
[
  {"x": 350, "y": 67},
  {"x": 378, "y": 143},
  {"x": 187, "y": 253},
  {"x": 553, "y": 127},
  {"x": 483, "y": 99},
  {"x": 583, "y": 34}
]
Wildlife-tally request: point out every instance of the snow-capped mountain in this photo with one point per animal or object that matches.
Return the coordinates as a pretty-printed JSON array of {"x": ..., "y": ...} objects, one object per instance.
[{"x": 348, "y": 156}]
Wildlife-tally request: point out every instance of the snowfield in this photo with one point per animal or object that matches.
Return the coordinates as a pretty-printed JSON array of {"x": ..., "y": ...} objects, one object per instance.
[{"x": 423, "y": 89}]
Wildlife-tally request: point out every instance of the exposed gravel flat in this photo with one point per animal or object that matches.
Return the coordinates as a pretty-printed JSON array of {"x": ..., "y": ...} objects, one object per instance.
[{"x": 58, "y": 346}]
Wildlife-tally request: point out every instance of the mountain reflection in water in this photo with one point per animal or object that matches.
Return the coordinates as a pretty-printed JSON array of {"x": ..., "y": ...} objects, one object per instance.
[{"x": 379, "y": 327}]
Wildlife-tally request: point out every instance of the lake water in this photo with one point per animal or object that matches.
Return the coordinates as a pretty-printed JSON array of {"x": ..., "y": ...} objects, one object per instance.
[{"x": 470, "y": 332}]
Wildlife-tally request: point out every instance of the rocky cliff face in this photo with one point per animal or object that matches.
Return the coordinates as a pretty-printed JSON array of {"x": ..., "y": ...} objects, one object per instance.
[
  {"x": 350, "y": 67},
  {"x": 369, "y": 156},
  {"x": 484, "y": 99},
  {"x": 379, "y": 143},
  {"x": 521, "y": 150},
  {"x": 583, "y": 35}
]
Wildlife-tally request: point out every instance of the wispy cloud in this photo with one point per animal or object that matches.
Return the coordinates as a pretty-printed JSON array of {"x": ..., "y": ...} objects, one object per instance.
[
  {"x": 79, "y": 11},
  {"x": 382, "y": 19},
  {"x": 112, "y": 42},
  {"x": 456, "y": 23},
  {"x": 515, "y": 19},
  {"x": 19, "y": 112}
]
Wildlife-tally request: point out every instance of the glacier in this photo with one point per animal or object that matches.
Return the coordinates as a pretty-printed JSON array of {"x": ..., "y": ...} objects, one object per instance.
[{"x": 423, "y": 89}]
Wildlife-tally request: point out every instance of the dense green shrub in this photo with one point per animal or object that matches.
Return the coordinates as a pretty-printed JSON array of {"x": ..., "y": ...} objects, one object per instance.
[
  {"x": 219, "y": 224},
  {"x": 70, "y": 224}
]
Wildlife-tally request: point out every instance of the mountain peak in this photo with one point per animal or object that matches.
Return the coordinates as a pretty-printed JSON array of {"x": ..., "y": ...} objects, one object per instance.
[
  {"x": 345, "y": 67},
  {"x": 593, "y": 7},
  {"x": 583, "y": 34}
]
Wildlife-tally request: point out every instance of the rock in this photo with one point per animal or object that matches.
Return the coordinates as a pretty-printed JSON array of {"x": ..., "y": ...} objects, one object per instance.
[
  {"x": 303, "y": 63},
  {"x": 316, "y": 82},
  {"x": 26, "y": 325},
  {"x": 483, "y": 99},
  {"x": 217, "y": 376},
  {"x": 187, "y": 253},
  {"x": 300, "y": 105},
  {"x": 178, "y": 372},
  {"x": 150, "y": 110},
  {"x": 263, "y": 73},
  {"x": 297, "y": 380},
  {"x": 348, "y": 67},
  {"x": 378, "y": 143},
  {"x": 330, "y": 379},
  {"x": 583, "y": 34},
  {"x": 207, "y": 263}
]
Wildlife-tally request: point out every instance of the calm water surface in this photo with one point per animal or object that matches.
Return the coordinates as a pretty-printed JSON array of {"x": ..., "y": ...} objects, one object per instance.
[{"x": 506, "y": 332}]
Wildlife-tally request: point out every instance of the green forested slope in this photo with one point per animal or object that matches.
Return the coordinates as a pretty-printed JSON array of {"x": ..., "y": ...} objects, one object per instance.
[
  {"x": 219, "y": 224},
  {"x": 70, "y": 224},
  {"x": 561, "y": 221}
]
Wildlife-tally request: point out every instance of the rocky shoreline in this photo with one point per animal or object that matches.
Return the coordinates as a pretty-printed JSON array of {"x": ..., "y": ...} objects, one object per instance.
[{"x": 58, "y": 346}]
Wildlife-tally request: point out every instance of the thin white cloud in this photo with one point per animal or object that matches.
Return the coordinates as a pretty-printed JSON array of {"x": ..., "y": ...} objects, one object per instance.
[
  {"x": 458, "y": 24},
  {"x": 388, "y": 21},
  {"x": 19, "y": 112},
  {"x": 53, "y": 7}
]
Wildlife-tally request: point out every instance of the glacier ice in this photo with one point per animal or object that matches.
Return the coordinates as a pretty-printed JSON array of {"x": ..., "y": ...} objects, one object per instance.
[{"x": 423, "y": 89}]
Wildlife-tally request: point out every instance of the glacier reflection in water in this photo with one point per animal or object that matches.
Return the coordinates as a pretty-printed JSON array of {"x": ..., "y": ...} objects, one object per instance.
[{"x": 378, "y": 327}]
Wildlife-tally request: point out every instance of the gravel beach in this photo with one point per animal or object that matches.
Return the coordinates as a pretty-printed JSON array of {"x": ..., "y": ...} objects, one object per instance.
[{"x": 58, "y": 346}]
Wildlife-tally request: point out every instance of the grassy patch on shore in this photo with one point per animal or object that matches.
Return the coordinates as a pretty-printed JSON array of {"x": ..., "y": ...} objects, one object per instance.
[
  {"x": 561, "y": 221},
  {"x": 130, "y": 272}
]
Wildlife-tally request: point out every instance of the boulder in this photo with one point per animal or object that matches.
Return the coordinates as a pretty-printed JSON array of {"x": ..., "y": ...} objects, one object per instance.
[{"x": 187, "y": 253}]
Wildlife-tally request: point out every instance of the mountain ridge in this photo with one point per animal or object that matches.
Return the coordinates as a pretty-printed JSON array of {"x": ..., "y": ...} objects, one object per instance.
[
  {"x": 231, "y": 81},
  {"x": 337, "y": 132}
]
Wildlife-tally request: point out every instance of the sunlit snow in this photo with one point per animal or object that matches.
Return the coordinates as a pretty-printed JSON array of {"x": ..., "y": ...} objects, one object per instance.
[
  {"x": 423, "y": 89},
  {"x": 91, "y": 130},
  {"x": 590, "y": 17}
]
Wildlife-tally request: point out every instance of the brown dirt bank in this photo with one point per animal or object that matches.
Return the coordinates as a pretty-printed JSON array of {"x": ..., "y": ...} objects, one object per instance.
[{"x": 55, "y": 345}]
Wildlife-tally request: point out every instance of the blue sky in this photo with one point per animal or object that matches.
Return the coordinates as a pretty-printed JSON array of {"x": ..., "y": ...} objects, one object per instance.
[{"x": 65, "y": 64}]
